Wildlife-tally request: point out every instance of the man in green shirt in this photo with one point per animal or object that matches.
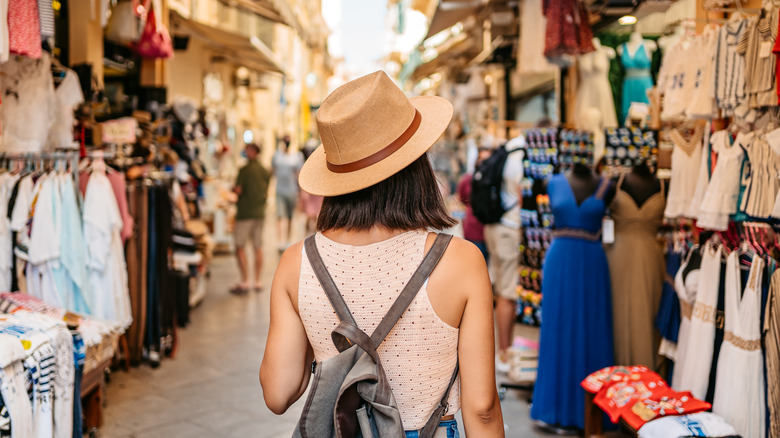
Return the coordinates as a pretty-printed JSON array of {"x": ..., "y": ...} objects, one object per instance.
[{"x": 252, "y": 190}]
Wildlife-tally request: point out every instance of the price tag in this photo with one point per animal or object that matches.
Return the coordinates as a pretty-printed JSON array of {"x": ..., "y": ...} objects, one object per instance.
[
  {"x": 119, "y": 131},
  {"x": 608, "y": 231},
  {"x": 765, "y": 49}
]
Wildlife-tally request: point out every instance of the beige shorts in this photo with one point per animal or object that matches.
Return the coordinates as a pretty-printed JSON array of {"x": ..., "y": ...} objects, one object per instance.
[
  {"x": 502, "y": 244},
  {"x": 248, "y": 230}
]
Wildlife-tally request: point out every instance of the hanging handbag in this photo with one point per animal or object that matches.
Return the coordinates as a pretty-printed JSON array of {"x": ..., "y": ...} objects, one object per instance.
[
  {"x": 155, "y": 40},
  {"x": 123, "y": 26}
]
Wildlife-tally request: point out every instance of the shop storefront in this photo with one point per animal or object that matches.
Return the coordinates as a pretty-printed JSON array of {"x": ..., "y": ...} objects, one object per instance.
[
  {"x": 121, "y": 128},
  {"x": 660, "y": 119}
]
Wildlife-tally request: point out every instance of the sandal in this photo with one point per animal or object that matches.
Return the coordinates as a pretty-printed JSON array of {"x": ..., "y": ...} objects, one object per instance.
[{"x": 239, "y": 289}]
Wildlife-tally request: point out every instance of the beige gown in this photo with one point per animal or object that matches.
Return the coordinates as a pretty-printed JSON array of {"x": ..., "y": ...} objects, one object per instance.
[{"x": 637, "y": 271}]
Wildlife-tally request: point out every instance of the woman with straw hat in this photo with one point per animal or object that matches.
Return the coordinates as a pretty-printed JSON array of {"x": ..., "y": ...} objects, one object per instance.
[{"x": 381, "y": 198}]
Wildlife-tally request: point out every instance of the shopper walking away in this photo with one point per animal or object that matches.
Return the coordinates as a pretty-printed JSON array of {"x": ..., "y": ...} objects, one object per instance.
[
  {"x": 286, "y": 164},
  {"x": 502, "y": 240},
  {"x": 310, "y": 204},
  {"x": 473, "y": 229},
  {"x": 252, "y": 190},
  {"x": 380, "y": 201}
]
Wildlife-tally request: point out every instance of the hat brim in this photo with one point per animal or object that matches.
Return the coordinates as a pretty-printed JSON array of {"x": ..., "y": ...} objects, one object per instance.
[{"x": 317, "y": 179}]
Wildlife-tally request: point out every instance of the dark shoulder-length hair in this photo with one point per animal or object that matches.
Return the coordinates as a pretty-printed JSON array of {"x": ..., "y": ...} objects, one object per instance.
[{"x": 408, "y": 200}]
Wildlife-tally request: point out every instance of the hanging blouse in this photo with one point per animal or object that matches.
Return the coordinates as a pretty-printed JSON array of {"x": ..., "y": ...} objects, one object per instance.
[
  {"x": 702, "y": 102},
  {"x": 720, "y": 200},
  {"x": 676, "y": 79},
  {"x": 685, "y": 164},
  {"x": 730, "y": 67},
  {"x": 27, "y": 112},
  {"x": 756, "y": 45},
  {"x": 568, "y": 29},
  {"x": 531, "y": 49},
  {"x": 24, "y": 32},
  {"x": 68, "y": 94},
  {"x": 761, "y": 178}
]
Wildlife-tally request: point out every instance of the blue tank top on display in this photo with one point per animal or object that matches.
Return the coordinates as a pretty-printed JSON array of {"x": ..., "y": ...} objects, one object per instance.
[{"x": 637, "y": 79}]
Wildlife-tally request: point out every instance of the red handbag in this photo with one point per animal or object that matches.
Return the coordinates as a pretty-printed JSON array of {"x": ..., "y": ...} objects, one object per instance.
[{"x": 155, "y": 41}]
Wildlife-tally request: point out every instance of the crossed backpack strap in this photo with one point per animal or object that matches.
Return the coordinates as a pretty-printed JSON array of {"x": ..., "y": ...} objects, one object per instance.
[
  {"x": 433, "y": 423},
  {"x": 396, "y": 310},
  {"x": 330, "y": 288},
  {"x": 409, "y": 291},
  {"x": 347, "y": 331}
]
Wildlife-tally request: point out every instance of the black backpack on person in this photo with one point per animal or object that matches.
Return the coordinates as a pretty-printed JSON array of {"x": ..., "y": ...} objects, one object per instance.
[{"x": 486, "y": 187}]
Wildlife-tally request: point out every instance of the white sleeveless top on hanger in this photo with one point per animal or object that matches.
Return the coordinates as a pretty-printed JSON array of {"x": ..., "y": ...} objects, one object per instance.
[
  {"x": 739, "y": 385},
  {"x": 694, "y": 373}
]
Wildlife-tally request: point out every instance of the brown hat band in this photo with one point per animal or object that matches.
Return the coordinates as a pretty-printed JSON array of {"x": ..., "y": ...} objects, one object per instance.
[{"x": 382, "y": 153}]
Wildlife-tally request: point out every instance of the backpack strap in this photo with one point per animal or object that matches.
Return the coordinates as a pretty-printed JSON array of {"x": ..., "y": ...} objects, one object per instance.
[
  {"x": 326, "y": 281},
  {"x": 412, "y": 287},
  {"x": 430, "y": 427}
]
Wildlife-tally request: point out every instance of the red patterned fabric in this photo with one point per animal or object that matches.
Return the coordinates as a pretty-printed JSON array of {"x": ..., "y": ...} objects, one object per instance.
[
  {"x": 568, "y": 28},
  {"x": 617, "y": 398},
  {"x": 638, "y": 395},
  {"x": 609, "y": 375},
  {"x": 661, "y": 404},
  {"x": 24, "y": 31}
]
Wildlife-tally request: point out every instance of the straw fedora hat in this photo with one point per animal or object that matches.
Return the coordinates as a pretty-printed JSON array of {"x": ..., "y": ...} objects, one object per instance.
[{"x": 370, "y": 130}]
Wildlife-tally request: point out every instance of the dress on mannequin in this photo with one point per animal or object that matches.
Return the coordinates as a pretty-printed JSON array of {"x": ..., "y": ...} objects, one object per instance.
[
  {"x": 576, "y": 336},
  {"x": 594, "y": 90},
  {"x": 636, "y": 266},
  {"x": 636, "y": 56}
]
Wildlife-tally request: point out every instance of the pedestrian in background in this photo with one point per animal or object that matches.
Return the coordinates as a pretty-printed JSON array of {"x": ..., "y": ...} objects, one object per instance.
[
  {"x": 286, "y": 164},
  {"x": 252, "y": 190},
  {"x": 473, "y": 229},
  {"x": 502, "y": 240},
  {"x": 310, "y": 204}
]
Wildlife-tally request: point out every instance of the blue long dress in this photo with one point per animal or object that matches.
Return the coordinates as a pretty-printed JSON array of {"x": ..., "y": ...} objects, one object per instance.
[
  {"x": 576, "y": 334},
  {"x": 637, "y": 79}
]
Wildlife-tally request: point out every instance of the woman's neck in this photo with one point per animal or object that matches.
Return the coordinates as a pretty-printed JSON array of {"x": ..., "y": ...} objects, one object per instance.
[{"x": 363, "y": 237}]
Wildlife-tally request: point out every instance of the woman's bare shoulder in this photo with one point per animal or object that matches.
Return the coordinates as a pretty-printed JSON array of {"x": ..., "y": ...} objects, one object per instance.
[{"x": 462, "y": 267}]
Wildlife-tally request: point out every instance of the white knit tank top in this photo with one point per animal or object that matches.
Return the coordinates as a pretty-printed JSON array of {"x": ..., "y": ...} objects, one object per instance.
[{"x": 420, "y": 353}]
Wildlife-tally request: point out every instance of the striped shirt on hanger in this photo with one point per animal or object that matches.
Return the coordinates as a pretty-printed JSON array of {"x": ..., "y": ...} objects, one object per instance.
[{"x": 760, "y": 63}]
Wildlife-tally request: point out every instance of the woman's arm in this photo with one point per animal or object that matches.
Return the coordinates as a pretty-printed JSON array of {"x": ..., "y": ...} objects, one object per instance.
[
  {"x": 284, "y": 373},
  {"x": 465, "y": 274}
]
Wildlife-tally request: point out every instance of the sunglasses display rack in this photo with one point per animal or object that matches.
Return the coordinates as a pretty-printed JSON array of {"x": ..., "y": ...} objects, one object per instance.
[
  {"x": 627, "y": 147},
  {"x": 575, "y": 147},
  {"x": 541, "y": 161}
]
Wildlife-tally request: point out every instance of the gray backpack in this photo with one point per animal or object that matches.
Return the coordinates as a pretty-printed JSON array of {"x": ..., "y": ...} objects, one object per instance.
[{"x": 350, "y": 395}]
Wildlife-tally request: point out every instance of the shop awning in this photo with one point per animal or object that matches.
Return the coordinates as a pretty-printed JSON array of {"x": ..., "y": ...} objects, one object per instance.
[
  {"x": 449, "y": 13},
  {"x": 455, "y": 54},
  {"x": 278, "y": 11},
  {"x": 249, "y": 52}
]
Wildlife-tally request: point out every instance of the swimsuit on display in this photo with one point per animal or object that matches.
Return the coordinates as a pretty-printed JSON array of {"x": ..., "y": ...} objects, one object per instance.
[{"x": 637, "y": 79}]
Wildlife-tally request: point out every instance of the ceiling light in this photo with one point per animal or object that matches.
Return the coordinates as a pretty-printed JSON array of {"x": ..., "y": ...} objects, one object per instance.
[{"x": 627, "y": 20}]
